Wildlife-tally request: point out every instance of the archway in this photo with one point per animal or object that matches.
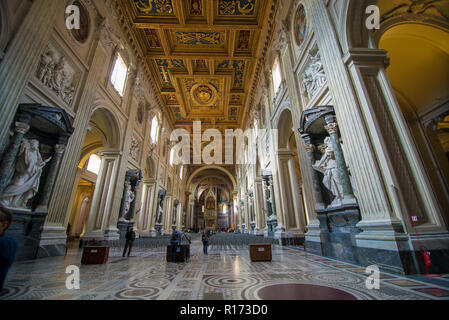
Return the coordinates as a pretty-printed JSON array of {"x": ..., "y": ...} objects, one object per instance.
[
  {"x": 289, "y": 176},
  {"x": 419, "y": 76},
  {"x": 204, "y": 184},
  {"x": 95, "y": 177}
]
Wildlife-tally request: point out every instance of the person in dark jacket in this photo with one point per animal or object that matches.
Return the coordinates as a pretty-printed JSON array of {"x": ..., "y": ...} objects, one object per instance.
[
  {"x": 130, "y": 237},
  {"x": 174, "y": 241},
  {"x": 8, "y": 245},
  {"x": 205, "y": 239}
]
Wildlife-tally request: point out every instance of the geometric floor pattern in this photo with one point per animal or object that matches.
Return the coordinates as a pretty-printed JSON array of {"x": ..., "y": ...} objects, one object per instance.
[{"x": 224, "y": 274}]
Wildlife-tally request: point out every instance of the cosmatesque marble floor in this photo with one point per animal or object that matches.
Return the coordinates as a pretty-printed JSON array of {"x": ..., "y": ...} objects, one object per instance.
[{"x": 225, "y": 274}]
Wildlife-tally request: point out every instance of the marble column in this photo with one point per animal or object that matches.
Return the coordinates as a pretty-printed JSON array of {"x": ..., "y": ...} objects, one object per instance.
[
  {"x": 98, "y": 227},
  {"x": 332, "y": 129},
  {"x": 9, "y": 157},
  {"x": 236, "y": 211},
  {"x": 147, "y": 212},
  {"x": 259, "y": 206},
  {"x": 22, "y": 57},
  {"x": 51, "y": 177}
]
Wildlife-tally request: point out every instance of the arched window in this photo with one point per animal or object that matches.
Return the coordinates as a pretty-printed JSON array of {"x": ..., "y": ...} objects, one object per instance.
[
  {"x": 172, "y": 156},
  {"x": 119, "y": 73},
  {"x": 181, "y": 172},
  {"x": 154, "y": 129},
  {"x": 94, "y": 164},
  {"x": 277, "y": 76}
]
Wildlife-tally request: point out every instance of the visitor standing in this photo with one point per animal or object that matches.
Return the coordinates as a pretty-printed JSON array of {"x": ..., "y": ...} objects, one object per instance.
[
  {"x": 130, "y": 237},
  {"x": 205, "y": 239},
  {"x": 8, "y": 245},
  {"x": 174, "y": 241},
  {"x": 186, "y": 240}
]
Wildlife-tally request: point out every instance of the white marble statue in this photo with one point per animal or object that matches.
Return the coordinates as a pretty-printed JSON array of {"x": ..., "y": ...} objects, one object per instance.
[
  {"x": 25, "y": 182},
  {"x": 327, "y": 165},
  {"x": 129, "y": 197}
]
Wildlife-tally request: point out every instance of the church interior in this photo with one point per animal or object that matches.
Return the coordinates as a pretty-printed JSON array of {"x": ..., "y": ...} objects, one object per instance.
[{"x": 319, "y": 127}]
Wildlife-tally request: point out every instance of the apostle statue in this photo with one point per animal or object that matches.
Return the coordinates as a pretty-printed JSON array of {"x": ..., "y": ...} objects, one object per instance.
[
  {"x": 25, "y": 182},
  {"x": 129, "y": 197},
  {"x": 327, "y": 165}
]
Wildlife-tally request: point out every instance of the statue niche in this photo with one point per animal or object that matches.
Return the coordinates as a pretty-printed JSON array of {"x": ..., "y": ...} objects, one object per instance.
[{"x": 25, "y": 182}]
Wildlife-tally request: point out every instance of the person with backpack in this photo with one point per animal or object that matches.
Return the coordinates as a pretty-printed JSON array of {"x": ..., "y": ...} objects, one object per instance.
[
  {"x": 205, "y": 239},
  {"x": 130, "y": 237},
  {"x": 186, "y": 240},
  {"x": 174, "y": 241}
]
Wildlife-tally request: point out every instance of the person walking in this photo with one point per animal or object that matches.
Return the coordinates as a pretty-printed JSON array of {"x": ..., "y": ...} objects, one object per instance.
[
  {"x": 186, "y": 240},
  {"x": 8, "y": 245},
  {"x": 130, "y": 237},
  {"x": 205, "y": 239},
  {"x": 174, "y": 241}
]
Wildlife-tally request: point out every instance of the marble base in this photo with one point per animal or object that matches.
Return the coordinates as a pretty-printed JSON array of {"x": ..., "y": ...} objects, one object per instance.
[
  {"x": 53, "y": 242},
  {"x": 158, "y": 228},
  {"x": 337, "y": 232},
  {"x": 123, "y": 227},
  {"x": 26, "y": 228}
]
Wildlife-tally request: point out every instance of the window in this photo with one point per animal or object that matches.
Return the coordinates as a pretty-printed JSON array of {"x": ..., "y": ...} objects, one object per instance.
[
  {"x": 94, "y": 164},
  {"x": 181, "y": 172},
  {"x": 172, "y": 156},
  {"x": 277, "y": 77},
  {"x": 118, "y": 77},
  {"x": 154, "y": 129}
]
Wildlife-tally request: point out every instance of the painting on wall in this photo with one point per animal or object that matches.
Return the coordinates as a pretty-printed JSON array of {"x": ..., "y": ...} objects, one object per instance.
[
  {"x": 300, "y": 25},
  {"x": 82, "y": 33}
]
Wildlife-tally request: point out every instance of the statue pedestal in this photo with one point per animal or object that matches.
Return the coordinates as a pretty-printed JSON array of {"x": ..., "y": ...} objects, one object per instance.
[
  {"x": 338, "y": 230},
  {"x": 271, "y": 226},
  {"x": 158, "y": 228},
  {"x": 253, "y": 228},
  {"x": 123, "y": 227},
  {"x": 26, "y": 228}
]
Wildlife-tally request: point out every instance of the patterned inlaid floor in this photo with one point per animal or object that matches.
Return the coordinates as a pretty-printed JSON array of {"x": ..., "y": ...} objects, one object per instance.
[{"x": 224, "y": 274}]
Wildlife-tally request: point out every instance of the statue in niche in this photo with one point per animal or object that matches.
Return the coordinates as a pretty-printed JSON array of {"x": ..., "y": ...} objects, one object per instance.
[
  {"x": 25, "y": 182},
  {"x": 327, "y": 165},
  {"x": 129, "y": 198},
  {"x": 160, "y": 209}
]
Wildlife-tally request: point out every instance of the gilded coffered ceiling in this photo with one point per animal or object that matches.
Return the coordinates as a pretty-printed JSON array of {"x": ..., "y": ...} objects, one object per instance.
[{"x": 202, "y": 54}]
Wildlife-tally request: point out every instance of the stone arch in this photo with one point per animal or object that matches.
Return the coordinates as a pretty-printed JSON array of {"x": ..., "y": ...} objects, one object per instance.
[
  {"x": 415, "y": 37},
  {"x": 196, "y": 172},
  {"x": 284, "y": 125}
]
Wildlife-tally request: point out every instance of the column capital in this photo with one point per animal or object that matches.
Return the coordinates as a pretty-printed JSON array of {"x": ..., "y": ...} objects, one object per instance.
[
  {"x": 332, "y": 128},
  {"x": 366, "y": 56},
  {"x": 60, "y": 148},
  {"x": 21, "y": 127},
  {"x": 310, "y": 148}
]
